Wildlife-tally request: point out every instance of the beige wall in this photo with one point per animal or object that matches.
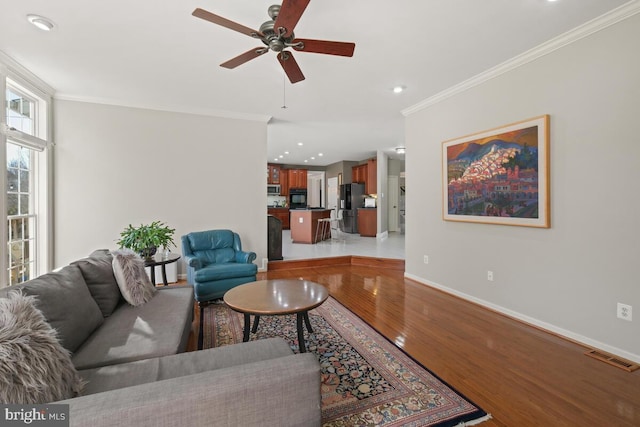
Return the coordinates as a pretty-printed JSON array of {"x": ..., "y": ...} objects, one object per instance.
[
  {"x": 570, "y": 277},
  {"x": 118, "y": 165}
]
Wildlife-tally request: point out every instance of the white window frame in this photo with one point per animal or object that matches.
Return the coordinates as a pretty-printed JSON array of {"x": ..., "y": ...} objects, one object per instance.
[{"x": 27, "y": 83}]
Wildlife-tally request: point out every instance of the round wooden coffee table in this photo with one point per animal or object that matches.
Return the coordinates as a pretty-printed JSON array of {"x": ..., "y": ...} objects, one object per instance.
[{"x": 274, "y": 298}]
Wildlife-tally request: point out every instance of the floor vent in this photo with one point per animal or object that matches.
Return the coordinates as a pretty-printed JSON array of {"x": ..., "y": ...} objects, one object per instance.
[{"x": 613, "y": 360}]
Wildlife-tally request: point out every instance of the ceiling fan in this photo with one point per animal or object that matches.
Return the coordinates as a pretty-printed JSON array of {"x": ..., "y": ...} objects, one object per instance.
[{"x": 277, "y": 35}]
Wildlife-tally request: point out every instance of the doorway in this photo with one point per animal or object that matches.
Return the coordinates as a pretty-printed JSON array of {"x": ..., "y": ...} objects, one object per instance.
[
  {"x": 393, "y": 203},
  {"x": 315, "y": 186}
]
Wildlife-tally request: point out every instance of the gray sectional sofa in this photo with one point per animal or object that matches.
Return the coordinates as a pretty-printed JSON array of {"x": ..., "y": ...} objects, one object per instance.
[{"x": 136, "y": 369}]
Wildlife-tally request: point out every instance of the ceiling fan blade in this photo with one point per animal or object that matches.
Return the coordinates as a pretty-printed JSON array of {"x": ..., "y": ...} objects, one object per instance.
[
  {"x": 245, "y": 57},
  {"x": 325, "y": 46},
  {"x": 290, "y": 67},
  {"x": 208, "y": 16},
  {"x": 289, "y": 15}
]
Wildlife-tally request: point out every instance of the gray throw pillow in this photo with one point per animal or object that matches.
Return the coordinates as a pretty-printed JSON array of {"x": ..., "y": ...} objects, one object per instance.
[
  {"x": 66, "y": 303},
  {"x": 98, "y": 273},
  {"x": 34, "y": 367},
  {"x": 132, "y": 279}
]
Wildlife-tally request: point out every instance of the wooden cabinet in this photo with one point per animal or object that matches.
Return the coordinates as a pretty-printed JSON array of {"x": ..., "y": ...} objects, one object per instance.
[
  {"x": 282, "y": 214},
  {"x": 367, "y": 222},
  {"x": 297, "y": 178},
  {"x": 273, "y": 174},
  {"x": 359, "y": 174},
  {"x": 371, "y": 186},
  {"x": 366, "y": 174},
  {"x": 284, "y": 183}
]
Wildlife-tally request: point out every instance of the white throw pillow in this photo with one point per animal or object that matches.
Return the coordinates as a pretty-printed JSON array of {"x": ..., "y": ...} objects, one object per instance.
[
  {"x": 132, "y": 279},
  {"x": 34, "y": 367}
]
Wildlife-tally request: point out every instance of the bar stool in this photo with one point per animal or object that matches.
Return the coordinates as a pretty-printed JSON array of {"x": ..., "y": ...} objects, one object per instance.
[
  {"x": 338, "y": 222},
  {"x": 323, "y": 226}
]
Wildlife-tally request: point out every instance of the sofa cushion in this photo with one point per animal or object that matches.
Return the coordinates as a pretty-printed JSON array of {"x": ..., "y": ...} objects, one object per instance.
[
  {"x": 131, "y": 277},
  {"x": 225, "y": 271},
  {"x": 34, "y": 367},
  {"x": 98, "y": 274},
  {"x": 157, "y": 328},
  {"x": 129, "y": 374},
  {"x": 64, "y": 299}
]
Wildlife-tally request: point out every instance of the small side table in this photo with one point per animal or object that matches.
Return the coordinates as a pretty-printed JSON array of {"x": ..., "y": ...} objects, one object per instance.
[{"x": 162, "y": 260}]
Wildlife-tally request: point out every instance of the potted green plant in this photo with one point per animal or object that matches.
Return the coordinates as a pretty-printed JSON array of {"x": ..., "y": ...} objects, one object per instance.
[{"x": 146, "y": 239}]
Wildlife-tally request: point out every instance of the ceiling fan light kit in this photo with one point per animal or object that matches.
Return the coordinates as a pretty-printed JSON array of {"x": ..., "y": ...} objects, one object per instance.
[{"x": 277, "y": 35}]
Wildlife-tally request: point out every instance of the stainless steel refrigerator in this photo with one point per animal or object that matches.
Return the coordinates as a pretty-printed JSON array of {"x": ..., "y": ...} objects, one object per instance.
[{"x": 351, "y": 198}]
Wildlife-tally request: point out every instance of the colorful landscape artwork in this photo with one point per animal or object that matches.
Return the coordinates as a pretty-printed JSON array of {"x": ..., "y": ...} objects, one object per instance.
[{"x": 499, "y": 176}]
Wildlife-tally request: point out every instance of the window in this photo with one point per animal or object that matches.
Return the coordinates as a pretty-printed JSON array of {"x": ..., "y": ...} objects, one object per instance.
[
  {"x": 25, "y": 207},
  {"x": 21, "y": 216}
]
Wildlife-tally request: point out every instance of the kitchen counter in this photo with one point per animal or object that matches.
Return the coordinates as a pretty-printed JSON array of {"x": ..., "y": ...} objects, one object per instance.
[
  {"x": 281, "y": 213},
  {"x": 304, "y": 223}
]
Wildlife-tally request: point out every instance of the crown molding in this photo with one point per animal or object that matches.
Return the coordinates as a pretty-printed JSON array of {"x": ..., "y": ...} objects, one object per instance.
[
  {"x": 610, "y": 18},
  {"x": 23, "y": 76},
  {"x": 167, "y": 108}
]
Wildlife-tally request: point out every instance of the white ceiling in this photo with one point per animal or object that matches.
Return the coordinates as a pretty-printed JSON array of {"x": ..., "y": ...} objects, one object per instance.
[{"x": 155, "y": 54}]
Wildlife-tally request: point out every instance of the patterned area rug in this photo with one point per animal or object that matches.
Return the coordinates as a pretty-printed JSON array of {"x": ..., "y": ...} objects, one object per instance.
[{"x": 366, "y": 380}]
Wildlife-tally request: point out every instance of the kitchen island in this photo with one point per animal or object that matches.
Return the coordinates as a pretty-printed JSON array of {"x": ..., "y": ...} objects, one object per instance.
[{"x": 304, "y": 223}]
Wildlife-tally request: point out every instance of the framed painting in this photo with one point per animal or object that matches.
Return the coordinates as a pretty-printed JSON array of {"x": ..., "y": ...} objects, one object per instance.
[{"x": 499, "y": 176}]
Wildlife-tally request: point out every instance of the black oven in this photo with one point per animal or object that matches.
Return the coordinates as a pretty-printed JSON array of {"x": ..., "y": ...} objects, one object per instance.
[{"x": 297, "y": 198}]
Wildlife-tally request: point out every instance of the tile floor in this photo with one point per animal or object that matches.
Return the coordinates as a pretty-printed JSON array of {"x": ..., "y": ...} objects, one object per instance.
[{"x": 345, "y": 244}]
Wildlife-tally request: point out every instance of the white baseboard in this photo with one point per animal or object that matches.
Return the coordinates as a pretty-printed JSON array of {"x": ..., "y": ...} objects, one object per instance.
[{"x": 531, "y": 321}]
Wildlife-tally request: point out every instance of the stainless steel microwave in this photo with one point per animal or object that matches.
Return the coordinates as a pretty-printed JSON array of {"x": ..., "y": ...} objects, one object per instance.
[{"x": 273, "y": 189}]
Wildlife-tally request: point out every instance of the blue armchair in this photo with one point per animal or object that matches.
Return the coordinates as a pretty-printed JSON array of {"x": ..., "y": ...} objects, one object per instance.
[{"x": 216, "y": 263}]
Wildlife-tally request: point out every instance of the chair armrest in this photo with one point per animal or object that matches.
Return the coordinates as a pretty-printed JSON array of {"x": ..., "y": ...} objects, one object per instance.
[
  {"x": 277, "y": 392},
  {"x": 193, "y": 261},
  {"x": 245, "y": 257}
]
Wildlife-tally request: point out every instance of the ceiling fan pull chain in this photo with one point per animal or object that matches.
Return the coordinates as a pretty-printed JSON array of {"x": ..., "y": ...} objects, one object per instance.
[{"x": 284, "y": 92}]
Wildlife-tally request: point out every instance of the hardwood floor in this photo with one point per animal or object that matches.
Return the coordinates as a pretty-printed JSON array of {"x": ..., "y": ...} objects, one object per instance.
[{"x": 521, "y": 375}]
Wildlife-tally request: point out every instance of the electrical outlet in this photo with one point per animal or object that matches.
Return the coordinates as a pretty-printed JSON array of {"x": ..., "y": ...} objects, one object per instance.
[
  {"x": 426, "y": 259},
  {"x": 625, "y": 312},
  {"x": 300, "y": 220},
  {"x": 490, "y": 276}
]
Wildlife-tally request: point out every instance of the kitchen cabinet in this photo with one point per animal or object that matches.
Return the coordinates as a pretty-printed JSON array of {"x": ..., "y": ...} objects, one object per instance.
[
  {"x": 297, "y": 178},
  {"x": 359, "y": 174},
  {"x": 367, "y": 222},
  {"x": 371, "y": 186},
  {"x": 273, "y": 174},
  {"x": 282, "y": 214},
  {"x": 366, "y": 174},
  {"x": 284, "y": 182}
]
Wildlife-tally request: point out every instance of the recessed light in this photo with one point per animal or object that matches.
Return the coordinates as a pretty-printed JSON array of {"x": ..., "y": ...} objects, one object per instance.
[
  {"x": 281, "y": 156},
  {"x": 300, "y": 143},
  {"x": 41, "y": 22},
  {"x": 398, "y": 89},
  {"x": 320, "y": 154},
  {"x": 306, "y": 161},
  {"x": 286, "y": 152},
  {"x": 401, "y": 150},
  {"x": 313, "y": 158}
]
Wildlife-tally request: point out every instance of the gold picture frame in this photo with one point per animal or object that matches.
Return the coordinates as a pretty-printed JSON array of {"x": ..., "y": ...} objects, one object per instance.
[{"x": 499, "y": 176}]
